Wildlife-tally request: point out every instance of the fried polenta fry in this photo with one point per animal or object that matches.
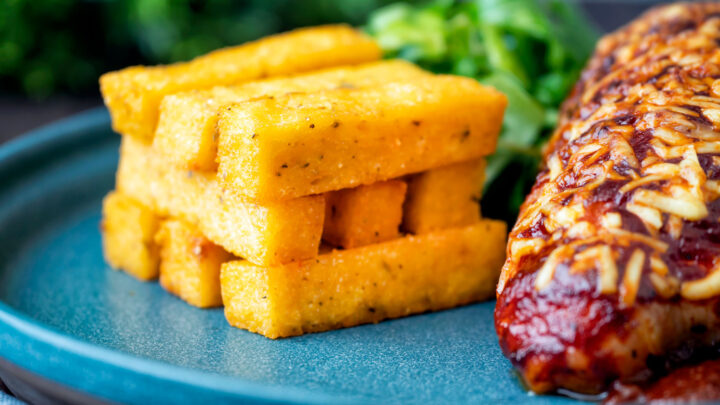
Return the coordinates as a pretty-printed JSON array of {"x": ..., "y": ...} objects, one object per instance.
[
  {"x": 133, "y": 95},
  {"x": 266, "y": 234},
  {"x": 444, "y": 197},
  {"x": 364, "y": 215},
  {"x": 300, "y": 144},
  {"x": 190, "y": 263},
  {"x": 345, "y": 288},
  {"x": 187, "y": 127},
  {"x": 128, "y": 231}
]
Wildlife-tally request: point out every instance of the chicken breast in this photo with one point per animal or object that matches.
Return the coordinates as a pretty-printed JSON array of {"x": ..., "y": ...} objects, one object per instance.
[
  {"x": 613, "y": 266},
  {"x": 695, "y": 383}
]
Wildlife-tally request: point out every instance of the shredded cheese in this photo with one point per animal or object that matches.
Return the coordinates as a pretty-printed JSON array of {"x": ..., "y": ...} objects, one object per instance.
[
  {"x": 666, "y": 287},
  {"x": 665, "y": 170},
  {"x": 682, "y": 204},
  {"x": 547, "y": 271},
  {"x": 631, "y": 278},
  {"x": 638, "y": 237},
  {"x": 706, "y": 287},
  {"x": 612, "y": 220},
  {"x": 522, "y": 247},
  {"x": 651, "y": 217},
  {"x": 607, "y": 282},
  {"x": 658, "y": 266},
  {"x": 644, "y": 180},
  {"x": 671, "y": 137}
]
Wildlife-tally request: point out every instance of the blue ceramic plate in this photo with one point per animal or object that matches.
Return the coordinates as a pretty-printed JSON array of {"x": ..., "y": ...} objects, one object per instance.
[{"x": 66, "y": 317}]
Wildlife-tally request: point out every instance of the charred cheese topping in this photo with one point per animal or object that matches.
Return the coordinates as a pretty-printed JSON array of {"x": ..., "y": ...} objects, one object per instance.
[{"x": 630, "y": 192}]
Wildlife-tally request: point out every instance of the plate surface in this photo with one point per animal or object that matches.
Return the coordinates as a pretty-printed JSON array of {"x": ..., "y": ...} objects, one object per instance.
[{"x": 66, "y": 316}]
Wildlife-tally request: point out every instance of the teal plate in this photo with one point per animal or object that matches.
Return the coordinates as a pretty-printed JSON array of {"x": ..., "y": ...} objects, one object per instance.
[{"x": 69, "y": 319}]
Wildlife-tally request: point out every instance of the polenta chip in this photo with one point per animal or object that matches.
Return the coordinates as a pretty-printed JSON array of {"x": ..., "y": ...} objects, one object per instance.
[
  {"x": 186, "y": 133},
  {"x": 128, "y": 231},
  {"x": 444, "y": 197},
  {"x": 190, "y": 264},
  {"x": 265, "y": 234},
  {"x": 364, "y": 215},
  {"x": 345, "y": 288},
  {"x": 301, "y": 144},
  {"x": 133, "y": 94}
]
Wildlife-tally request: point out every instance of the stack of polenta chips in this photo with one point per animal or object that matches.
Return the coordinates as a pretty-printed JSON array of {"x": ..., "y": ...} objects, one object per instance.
[{"x": 304, "y": 184}]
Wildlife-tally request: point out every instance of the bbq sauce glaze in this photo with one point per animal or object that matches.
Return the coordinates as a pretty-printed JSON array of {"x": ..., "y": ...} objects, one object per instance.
[{"x": 610, "y": 264}]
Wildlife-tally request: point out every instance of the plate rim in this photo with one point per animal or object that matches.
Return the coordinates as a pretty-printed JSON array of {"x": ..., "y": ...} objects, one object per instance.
[{"x": 70, "y": 132}]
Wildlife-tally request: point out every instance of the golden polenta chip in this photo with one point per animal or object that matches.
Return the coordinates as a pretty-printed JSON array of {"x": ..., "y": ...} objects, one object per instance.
[
  {"x": 186, "y": 132},
  {"x": 364, "y": 215},
  {"x": 133, "y": 94},
  {"x": 265, "y": 234},
  {"x": 343, "y": 288},
  {"x": 444, "y": 197},
  {"x": 128, "y": 231},
  {"x": 308, "y": 143},
  {"x": 190, "y": 263}
]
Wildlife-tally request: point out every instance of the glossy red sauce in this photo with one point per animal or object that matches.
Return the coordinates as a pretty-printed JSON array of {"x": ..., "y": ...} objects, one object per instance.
[
  {"x": 537, "y": 329},
  {"x": 689, "y": 384}
]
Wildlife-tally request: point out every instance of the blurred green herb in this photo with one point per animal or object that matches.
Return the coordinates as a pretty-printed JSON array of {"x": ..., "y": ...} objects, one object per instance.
[
  {"x": 530, "y": 50},
  {"x": 51, "y": 46}
]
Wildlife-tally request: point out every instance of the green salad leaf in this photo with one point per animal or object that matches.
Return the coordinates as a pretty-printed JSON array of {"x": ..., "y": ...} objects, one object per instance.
[{"x": 531, "y": 50}]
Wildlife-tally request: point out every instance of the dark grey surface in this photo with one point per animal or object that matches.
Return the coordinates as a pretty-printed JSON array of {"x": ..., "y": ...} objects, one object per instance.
[
  {"x": 19, "y": 115},
  {"x": 611, "y": 14},
  {"x": 36, "y": 390}
]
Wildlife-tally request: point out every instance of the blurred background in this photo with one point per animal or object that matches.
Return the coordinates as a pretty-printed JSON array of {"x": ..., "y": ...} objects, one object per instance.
[{"x": 52, "y": 51}]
